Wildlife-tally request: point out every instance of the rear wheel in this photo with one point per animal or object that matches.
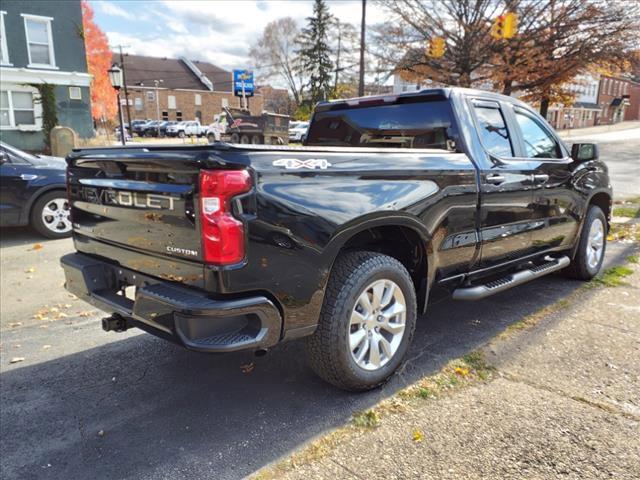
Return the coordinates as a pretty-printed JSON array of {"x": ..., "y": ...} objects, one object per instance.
[
  {"x": 256, "y": 140},
  {"x": 591, "y": 248},
  {"x": 244, "y": 139},
  {"x": 211, "y": 138},
  {"x": 235, "y": 138},
  {"x": 367, "y": 321},
  {"x": 50, "y": 215},
  {"x": 181, "y": 134}
]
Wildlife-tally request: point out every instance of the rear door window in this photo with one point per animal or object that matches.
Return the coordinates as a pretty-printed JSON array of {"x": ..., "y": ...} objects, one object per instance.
[
  {"x": 414, "y": 123},
  {"x": 493, "y": 129}
]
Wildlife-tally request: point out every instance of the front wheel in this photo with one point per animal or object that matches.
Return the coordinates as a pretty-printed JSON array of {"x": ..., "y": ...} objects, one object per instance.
[
  {"x": 181, "y": 134},
  {"x": 50, "y": 215},
  {"x": 591, "y": 248},
  {"x": 366, "y": 323}
]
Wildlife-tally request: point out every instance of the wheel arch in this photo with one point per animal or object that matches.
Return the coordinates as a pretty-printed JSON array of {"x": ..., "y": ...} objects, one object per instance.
[
  {"x": 604, "y": 200},
  {"x": 27, "y": 211},
  {"x": 400, "y": 236}
]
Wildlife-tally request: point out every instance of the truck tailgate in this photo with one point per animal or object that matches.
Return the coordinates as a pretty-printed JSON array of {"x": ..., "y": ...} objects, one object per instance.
[{"x": 138, "y": 210}]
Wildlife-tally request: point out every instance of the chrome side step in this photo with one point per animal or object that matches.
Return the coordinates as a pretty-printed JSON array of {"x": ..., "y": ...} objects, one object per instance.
[{"x": 478, "y": 292}]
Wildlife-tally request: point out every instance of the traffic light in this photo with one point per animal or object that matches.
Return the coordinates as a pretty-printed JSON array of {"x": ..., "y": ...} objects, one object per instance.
[
  {"x": 497, "y": 29},
  {"x": 510, "y": 25},
  {"x": 505, "y": 26},
  {"x": 437, "y": 46}
]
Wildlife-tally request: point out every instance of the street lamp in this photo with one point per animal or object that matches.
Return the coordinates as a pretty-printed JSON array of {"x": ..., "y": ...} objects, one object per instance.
[{"x": 115, "y": 77}]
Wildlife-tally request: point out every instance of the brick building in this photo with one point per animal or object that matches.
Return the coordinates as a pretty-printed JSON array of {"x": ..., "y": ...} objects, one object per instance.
[
  {"x": 187, "y": 90},
  {"x": 585, "y": 109},
  {"x": 614, "y": 98}
]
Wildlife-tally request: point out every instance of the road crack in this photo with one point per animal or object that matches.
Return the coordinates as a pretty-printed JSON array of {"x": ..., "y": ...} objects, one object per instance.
[{"x": 603, "y": 406}]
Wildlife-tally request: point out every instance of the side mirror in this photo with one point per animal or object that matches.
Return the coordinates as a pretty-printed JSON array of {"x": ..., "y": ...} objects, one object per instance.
[
  {"x": 4, "y": 158},
  {"x": 584, "y": 152}
]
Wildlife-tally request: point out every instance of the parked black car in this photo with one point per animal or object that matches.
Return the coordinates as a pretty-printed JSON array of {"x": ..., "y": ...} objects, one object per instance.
[
  {"x": 33, "y": 192},
  {"x": 138, "y": 126}
]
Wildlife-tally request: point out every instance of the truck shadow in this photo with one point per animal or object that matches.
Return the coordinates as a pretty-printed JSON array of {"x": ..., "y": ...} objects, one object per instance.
[{"x": 169, "y": 413}]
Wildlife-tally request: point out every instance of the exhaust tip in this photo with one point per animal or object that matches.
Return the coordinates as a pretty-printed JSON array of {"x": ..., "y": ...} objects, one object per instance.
[{"x": 261, "y": 352}]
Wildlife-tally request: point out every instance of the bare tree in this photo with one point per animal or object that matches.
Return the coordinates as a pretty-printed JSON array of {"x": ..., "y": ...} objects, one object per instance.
[
  {"x": 274, "y": 55},
  {"x": 463, "y": 24}
]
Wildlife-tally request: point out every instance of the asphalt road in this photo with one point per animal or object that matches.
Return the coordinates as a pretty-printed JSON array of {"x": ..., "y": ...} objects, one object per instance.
[
  {"x": 621, "y": 152},
  {"x": 84, "y": 403}
]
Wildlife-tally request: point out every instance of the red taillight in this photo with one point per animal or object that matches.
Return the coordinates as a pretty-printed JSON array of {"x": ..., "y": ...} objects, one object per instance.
[{"x": 222, "y": 233}]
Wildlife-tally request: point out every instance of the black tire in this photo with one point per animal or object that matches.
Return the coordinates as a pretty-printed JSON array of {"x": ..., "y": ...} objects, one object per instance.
[
  {"x": 579, "y": 267},
  {"x": 235, "y": 138},
  {"x": 181, "y": 134},
  {"x": 36, "y": 217},
  {"x": 256, "y": 140},
  {"x": 211, "y": 138},
  {"x": 244, "y": 139},
  {"x": 328, "y": 348}
]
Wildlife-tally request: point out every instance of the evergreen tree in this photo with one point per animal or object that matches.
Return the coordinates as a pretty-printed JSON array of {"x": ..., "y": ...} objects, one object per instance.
[{"x": 314, "y": 54}]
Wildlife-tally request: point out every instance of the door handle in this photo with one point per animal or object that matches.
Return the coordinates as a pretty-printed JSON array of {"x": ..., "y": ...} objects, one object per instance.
[
  {"x": 540, "y": 178},
  {"x": 495, "y": 179}
]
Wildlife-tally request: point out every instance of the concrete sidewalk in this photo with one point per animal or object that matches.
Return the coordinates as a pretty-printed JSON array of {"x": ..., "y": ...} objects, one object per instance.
[
  {"x": 580, "y": 132},
  {"x": 560, "y": 397}
]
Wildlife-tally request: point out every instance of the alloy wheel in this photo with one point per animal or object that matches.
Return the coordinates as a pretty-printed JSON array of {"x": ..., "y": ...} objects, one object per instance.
[
  {"x": 377, "y": 324},
  {"x": 595, "y": 243},
  {"x": 56, "y": 215}
]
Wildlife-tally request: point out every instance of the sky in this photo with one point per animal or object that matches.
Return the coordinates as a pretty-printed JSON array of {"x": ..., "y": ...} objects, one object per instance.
[{"x": 218, "y": 31}]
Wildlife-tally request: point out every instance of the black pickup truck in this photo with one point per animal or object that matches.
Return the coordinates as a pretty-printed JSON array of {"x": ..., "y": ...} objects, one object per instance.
[{"x": 225, "y": 247}]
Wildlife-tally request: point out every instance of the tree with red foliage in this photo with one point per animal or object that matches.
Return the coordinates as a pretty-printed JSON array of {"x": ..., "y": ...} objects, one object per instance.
[{"x": 104, "y": 104}]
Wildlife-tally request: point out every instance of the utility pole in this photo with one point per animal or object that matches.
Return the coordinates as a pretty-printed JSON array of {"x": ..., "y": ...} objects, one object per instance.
[
  {"x": 362, "y": 41},
  {"x": 124, "y": 80},
  {"x": 335, "y": 87},
  {"x": 157, "y": 82}
]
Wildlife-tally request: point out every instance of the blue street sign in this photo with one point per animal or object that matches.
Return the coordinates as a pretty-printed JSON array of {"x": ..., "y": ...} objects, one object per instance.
[{"x": 243, "y": 78}]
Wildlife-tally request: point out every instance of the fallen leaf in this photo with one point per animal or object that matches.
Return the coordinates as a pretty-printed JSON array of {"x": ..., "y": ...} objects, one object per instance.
[
  {"x": 46, "y": 347},
  {"x": 36, "y": 246},
  {"x": 101, "y": 433},
  {"x": 248, "y": 368},
  {"x": 418, "y": 436},
  {"x": 16, "y": 360},
  {"x": 462, "y": 371},
  {"x": 30, "y": 270},
  {"x": 85, "y": 314},
  {"x": 15, "y": 324}
]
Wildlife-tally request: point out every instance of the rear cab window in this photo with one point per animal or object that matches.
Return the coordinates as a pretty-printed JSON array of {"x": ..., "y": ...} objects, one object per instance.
[{"x": 394, "y": 122}]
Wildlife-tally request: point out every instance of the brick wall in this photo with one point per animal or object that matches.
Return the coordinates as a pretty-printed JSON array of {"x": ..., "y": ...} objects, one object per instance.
[
  {"x": 633, "y": 110},
  {"x": 143, "y": 104},
  {"x": 611, "y": 88}
]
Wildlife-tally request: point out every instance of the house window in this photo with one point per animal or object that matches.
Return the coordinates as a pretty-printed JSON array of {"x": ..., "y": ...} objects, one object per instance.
[
  {"x": 75, "y": 93},
  {"x": 17, "y": 109},
  {"x": 198, "y": 99},
  {"x": 151, "y": 96},
  {"x": 171, "y": 101},
  {"x": 39, "y": 41},
  {"x": 138, "y": 104},
  {"x": 179, "y": 116},
  {"x": 225, "y": 102},
  {"x": 4, "y": 53},
  {"x": 165, "y": 115}
]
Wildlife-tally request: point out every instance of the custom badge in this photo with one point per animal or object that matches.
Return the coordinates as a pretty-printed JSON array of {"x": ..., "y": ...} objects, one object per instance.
[{"x": 297, "y": 164}]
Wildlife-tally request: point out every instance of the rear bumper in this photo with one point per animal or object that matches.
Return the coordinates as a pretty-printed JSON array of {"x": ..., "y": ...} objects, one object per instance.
[{"x": 181, "y": 314}]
